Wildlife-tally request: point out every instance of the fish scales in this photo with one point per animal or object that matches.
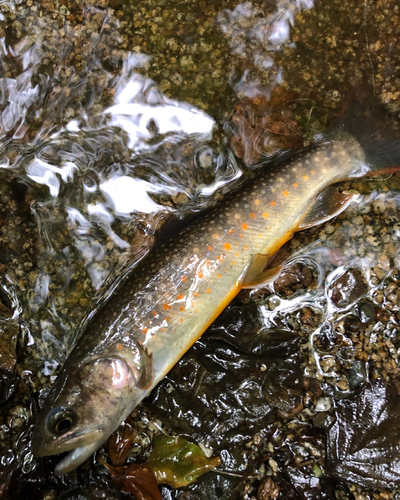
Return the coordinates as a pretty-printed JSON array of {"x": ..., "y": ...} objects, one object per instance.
[
  {"x": 174, "y": 295},
  {"x": 184, "y": 285}
]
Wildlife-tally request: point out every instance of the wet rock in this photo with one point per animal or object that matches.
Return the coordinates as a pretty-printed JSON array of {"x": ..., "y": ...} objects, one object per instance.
[
  {"x": 347, "y": 288},
  {"x": 367, "y": 311},
  {"x": 326, "y": 339},
  {"x": 357, "y": 375},
  {"x": 294, "y": 280}
]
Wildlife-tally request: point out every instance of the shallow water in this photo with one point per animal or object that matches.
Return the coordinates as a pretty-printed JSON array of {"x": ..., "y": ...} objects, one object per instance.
[{"x": 116, "y": 116}]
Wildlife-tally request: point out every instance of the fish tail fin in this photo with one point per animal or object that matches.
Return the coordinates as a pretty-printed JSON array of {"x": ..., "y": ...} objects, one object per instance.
[{"x": 377, "y": 132}]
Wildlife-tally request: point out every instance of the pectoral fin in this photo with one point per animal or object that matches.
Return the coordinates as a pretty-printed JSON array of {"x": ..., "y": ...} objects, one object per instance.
[
  {"x": 146, "y": 368},
  {"x": 328, "y": 204},
  {"x": 256, "y": 275}
]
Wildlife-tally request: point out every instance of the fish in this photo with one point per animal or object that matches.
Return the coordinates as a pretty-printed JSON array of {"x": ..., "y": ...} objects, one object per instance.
[{"x": 168, "y": 301}]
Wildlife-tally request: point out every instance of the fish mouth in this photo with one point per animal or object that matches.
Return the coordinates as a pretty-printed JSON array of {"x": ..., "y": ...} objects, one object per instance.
[
  {"x": 67, "y": 442},
  {"x": 81, "y": 445},
  {"x": 76, "y": 458}
]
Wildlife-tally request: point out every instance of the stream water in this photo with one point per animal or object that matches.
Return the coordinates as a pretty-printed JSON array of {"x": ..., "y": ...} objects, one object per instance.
[{"x": 121, "y": 119}]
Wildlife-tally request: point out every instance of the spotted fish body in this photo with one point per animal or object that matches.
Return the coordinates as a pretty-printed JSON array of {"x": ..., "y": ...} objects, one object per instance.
[
  {"x": 183, "y": 287},
  {"x": 170, "y": 300}
]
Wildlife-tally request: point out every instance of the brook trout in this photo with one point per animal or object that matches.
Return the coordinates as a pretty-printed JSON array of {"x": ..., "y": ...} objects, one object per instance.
[{"x": 166, "y": 304}]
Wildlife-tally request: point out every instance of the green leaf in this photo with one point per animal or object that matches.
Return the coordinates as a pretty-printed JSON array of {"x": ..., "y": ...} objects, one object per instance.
[{"x": 178, "y": 462}]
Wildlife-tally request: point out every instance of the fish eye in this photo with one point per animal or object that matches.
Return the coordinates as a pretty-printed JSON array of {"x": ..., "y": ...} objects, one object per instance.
[{"x": 60, "y": 420}]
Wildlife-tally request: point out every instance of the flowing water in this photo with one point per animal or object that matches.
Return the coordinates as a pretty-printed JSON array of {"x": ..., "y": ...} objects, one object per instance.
[{"x": 118, "y": 120}]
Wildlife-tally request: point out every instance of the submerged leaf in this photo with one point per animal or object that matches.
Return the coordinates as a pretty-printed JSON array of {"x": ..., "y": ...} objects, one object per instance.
[
  {"x": 173, "y": 461},
  {"x": 364, "y": 442},
  {"x": 237, "y": 379},
  {"x": 120, "y": 444},
  {"x": 178, "y": 462},
  {"x": 136, "y": 479}
]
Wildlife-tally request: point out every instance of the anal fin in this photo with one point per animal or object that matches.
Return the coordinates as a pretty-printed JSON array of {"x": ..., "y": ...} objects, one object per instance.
[
  {"x": 256, "y": 275},
  {"x": 328, "y": 204}
]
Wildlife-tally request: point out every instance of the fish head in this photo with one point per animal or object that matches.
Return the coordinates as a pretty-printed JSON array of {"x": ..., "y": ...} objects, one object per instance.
[{"x": 87, "y": 403}]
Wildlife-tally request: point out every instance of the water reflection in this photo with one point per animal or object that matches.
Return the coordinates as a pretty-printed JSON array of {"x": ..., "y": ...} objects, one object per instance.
[
  {"x": 44, "y": 173},
  {"x": 257, "y": 36}
]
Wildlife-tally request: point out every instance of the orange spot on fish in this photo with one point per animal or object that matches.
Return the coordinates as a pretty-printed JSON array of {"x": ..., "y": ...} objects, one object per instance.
[
  {"x": 233, "y": 262},
  {"x": 265, "y": 215},
  {"x": 119, "y": 346},
  {"x": 257, "y": 202},
  {"x": 231, "y": 231},
  {"x": 180, "y": 320},
  {"x": 210, "y": 248},
  {"x": 227, "y": 246},
  {"x": 313, "y": 171},
  {"x": 285, "y": 193},
  {"x": 259, "y": 235},
  {"x": 180, "y": 296},
  {"x": 167, "y": 307},
  {"x": 241, "y": 236},
  {"x": 208, "y": 290},
  {"x": 237, "y": 254},
  {"x": 163, "y": 329},
  {"x": 295, "y": 185},
  {"x": 219, "y": 276},
  {"x": 246, "y": 247},
  {"x": 305, "y": 177},
  {"x": 167, "y": 320},
  {"x": 253, "y": 215},
  {"x": 220, "y": 258},
  {"x": 200, "y": 274},
  {"x": 215, "y": 236},
  {"x": 207, "y": 263},
  {"x": 154, "y": 313},
  {"x": 195, "y": 294},
  {"x": 183, "y": 279},
  {"x": 273, "y": 203},
  {"x": 245, "y": 226},
  {"x": 181, "y": 308}
]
